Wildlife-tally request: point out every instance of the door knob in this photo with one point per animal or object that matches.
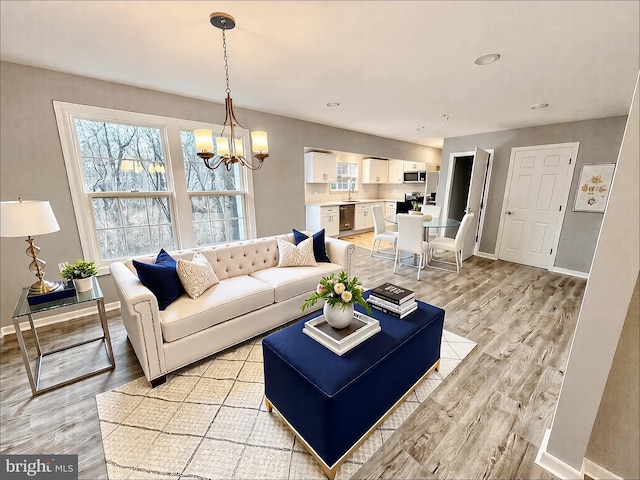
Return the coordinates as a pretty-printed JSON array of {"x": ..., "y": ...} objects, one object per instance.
[{"x": 509, "y": 212}]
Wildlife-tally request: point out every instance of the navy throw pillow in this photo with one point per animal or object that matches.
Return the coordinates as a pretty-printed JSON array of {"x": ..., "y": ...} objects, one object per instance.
[
  {"x": 161, "y": 278},
  {"x": 319, "y": 248}
]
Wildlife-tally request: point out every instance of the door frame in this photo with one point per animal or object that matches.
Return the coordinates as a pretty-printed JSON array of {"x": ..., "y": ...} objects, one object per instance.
[
  {"x": 567, "y": 188},
  {"x": 485, "y": 194}
]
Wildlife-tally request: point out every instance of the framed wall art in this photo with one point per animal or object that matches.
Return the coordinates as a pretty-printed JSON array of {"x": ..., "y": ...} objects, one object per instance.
[{"x": 593, "y": 188}]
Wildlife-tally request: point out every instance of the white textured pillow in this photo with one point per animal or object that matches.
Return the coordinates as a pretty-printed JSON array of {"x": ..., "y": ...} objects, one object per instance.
[
  {"x": 196, "y": 275},
  {"x": 300, "y": 255}
]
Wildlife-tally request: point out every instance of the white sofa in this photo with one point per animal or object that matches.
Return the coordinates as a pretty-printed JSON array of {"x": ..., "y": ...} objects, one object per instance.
[{"x": 252, "y": 297}]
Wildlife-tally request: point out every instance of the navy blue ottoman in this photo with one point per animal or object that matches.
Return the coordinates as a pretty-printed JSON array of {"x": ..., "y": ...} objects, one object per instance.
[{"x": 331, "y": 402}]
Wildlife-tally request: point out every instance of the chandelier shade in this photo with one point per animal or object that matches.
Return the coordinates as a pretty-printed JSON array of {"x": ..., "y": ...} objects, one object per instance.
[{"x": 228, "y": 149}]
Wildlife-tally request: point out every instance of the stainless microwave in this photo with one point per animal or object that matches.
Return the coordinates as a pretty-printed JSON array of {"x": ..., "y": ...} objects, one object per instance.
[{"x": 415, "y": 177}]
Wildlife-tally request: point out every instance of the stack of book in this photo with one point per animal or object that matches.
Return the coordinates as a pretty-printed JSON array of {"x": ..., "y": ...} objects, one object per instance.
[{"x": 392, "y": 299}]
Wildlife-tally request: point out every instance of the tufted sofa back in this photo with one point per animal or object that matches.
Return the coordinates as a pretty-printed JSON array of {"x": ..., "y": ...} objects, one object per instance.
[{"x": 232, "y": 259}]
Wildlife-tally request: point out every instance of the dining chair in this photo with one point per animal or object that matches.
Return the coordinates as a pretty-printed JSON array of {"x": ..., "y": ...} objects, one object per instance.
[
  {"x": 454, "y": 245},
  {"x": 434, "y": 211},
  {"x": 381, "y": 234},
  {"x": 410, "y": 239}
]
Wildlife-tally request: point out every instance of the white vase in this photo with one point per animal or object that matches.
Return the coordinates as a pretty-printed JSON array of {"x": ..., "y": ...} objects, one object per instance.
[
  {"x": 338, "y": 317},
  {"x": 83, "y": 284},
  {"x": 415, "y": 212}
]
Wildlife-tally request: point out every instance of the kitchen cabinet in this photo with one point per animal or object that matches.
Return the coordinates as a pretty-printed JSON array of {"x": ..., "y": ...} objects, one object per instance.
[
  {"x": 375, "y": 170},
  {"x": 320, "y": 167},
  {"x": 323, "y": 217},
  {"x": 389, "y": 208},
  {"x": 396, "y": 171},
  {"x": 414, "y": 166},
  {"x": 364, "y": 216}
]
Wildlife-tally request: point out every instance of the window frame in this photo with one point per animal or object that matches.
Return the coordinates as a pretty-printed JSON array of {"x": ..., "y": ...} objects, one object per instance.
[
  {"x": 356, "y": 178},
  {"x": 177, "y": 194}
]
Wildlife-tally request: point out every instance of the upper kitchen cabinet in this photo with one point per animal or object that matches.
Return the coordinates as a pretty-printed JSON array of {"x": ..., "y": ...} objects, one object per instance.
[
  {"x": 414, "y": 166},
  {"x": 396, "y": 171},
  {"x": 320, "y": 167},
  {"x": 375, "y": 170}
]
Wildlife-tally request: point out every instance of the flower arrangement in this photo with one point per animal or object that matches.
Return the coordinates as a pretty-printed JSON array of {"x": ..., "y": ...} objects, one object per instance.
[
  {"x": 80, "y": 269},
  {"x": 338, "y": 291},
  {"x": 416, "y": 206}
]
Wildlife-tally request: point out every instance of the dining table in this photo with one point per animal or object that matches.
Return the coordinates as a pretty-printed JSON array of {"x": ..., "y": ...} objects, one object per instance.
[{"x": 433, "y": 222}]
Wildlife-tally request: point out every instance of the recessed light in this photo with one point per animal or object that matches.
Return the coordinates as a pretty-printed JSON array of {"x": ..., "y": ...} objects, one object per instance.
[
  {"x": 333, "y": 104},
  {"x": 538, "y": 106},
  {"x": 487, "y": 59}
]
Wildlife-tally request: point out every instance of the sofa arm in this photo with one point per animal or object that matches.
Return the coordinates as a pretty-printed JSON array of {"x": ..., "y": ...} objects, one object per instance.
[
  {"x": 141, "y": 318},
  {"x": 340, "y": 252}
]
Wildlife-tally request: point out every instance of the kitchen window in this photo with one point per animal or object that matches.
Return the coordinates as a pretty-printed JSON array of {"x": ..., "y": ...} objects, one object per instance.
[
  {"x": 347, "y": 176},
  {"x": 137, "y": 185}
]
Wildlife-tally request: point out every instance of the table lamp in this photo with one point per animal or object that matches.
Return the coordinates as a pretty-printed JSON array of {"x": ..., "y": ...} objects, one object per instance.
[{"x": 26, "y": 218}]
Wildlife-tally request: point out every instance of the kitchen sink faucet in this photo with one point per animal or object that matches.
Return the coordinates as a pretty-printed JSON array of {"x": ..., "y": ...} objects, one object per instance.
[{"x": 351, "y": 190}]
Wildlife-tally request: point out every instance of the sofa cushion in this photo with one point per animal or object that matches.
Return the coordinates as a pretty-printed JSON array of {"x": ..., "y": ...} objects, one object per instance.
[
  {"x": 291, "y": 282},
  {"x": 161, "y": 278},
  {"x": 319, "y": 248},
  {"x": 228, "y": 299},
  {"x": 196, "y": 274},
  {"x": 300, "y": 255}
]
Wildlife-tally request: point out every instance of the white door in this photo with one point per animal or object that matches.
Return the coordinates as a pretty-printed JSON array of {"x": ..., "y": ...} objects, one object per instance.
[
  {"x": 474, "y": 199},
  {"x": 535, "y": 200}
]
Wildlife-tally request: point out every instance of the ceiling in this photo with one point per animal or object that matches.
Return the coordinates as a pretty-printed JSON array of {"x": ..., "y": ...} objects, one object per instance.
[{"x": 394, "y": 67}]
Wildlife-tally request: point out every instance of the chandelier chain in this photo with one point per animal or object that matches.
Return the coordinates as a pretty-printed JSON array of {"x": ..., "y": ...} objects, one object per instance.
[{"x": 226, "y": 64}]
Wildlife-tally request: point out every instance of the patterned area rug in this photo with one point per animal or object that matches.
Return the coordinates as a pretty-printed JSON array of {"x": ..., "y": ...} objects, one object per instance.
[{"x": 209, "y": 421}]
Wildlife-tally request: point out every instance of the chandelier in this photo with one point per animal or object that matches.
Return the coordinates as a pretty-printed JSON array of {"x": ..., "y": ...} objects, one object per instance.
[{"x": 228, "y": 149}]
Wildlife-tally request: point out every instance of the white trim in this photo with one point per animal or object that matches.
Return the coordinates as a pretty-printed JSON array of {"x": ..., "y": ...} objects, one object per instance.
[
  {"x": 447, "y": 189},
  {"x": 58, "y": 318},
  {"x": 566, "y": 271},
  {"x": 176, "y": 192},
  {"x": 485, "y": 192},
  {"x": 595, "y": 471},
  {"x": 553, "y": 465},
  {"x": 483, "y": 200},
  {"x": 567, "y": 187},
  {"x": 490, "y": 256}
]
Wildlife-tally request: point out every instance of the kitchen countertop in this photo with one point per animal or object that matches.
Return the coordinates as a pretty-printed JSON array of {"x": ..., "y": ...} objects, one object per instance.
[{"x": 336, "y": 203}]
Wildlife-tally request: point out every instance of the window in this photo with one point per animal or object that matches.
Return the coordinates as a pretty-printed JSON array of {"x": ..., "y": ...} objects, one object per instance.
[
  {"x": 215, "y": 196},
  {"x": 347, "y": 177},
  {"x": 124, "y": 177},
  {"x": 134, "y": 193}
]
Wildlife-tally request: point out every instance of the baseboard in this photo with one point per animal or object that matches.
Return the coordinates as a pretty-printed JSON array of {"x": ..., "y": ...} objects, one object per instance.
[
  {"x": 573, "y": 273},
  {"x": 595, "y": 471},
  {"x": 552, "y": 464},
  {"x": 60, "y": 317},
  {"x": 490, "y": 256}
]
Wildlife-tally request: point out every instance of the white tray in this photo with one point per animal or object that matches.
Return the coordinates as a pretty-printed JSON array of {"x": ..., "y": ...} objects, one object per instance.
[{"x": 342, "y": 340}]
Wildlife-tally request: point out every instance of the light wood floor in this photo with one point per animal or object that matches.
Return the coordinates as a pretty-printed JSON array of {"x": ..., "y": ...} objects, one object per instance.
[{"x": 486, "y": 420}]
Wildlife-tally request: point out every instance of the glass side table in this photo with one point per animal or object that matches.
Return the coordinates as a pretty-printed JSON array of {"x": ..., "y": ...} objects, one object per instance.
[{"x": 24, "y": 309}]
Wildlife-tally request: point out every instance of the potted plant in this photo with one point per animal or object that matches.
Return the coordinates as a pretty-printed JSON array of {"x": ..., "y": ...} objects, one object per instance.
[
  {"x": 340, "y": 294},
  {"x": 81, "y": 273},
  {"x": 416, "y": 208}
]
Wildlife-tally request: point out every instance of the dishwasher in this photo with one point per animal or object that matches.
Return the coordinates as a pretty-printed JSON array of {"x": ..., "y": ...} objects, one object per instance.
[{"x": 347, "y": 212}]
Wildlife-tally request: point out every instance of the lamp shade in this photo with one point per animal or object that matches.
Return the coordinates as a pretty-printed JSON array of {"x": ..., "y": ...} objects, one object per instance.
[
  {"x": 259, "y": 141},
  {"x": 204, "y": 140},
  {"x": 222, "y": 146},
  {"x": 27, "y": 218}
]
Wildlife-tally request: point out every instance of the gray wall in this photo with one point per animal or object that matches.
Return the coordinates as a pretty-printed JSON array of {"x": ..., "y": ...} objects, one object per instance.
[
  {"x": 32, "y": 166},
  {"x": 599, "y": 143}
]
